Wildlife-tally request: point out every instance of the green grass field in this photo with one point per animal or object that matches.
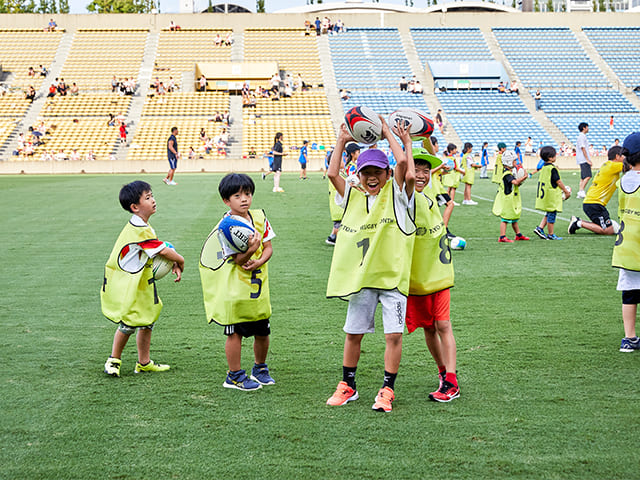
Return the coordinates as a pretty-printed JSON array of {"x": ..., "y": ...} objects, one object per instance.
[{"x": 545, "y": 394}]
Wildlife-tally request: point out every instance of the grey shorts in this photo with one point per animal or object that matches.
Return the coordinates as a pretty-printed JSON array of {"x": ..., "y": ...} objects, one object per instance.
[
  {"x": 362, "y": 310},
  {"x": 585, "y": 170},
  {"x": 127, "y": 330}
]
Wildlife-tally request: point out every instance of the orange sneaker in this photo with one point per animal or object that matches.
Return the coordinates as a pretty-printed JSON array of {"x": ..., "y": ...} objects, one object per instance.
[
  {"x": 343, "y": 394},
  {"x": 383, "y": 400}
]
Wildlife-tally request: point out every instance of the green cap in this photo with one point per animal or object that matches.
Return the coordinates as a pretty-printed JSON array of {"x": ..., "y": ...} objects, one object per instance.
[
  {"x": 423, "y": 154},
  {"x": 502, "y": 145}
]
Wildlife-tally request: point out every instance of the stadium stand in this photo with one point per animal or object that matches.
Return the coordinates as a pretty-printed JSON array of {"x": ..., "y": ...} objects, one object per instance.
[
  {"x": 13, "y": 105},
  {"x": 120, "y": 53},
  {"x": 549, "y": 58},
  {"x": 480, "y": 101},
  {"x": 450, "y": 44},
  {"x": 178, "y": 51},
  {"x": 24, "y": 48},
  {"x": 85, "y": 105},
  {"x": 599, "y": 131},
  {"x": 620, "y": 48},
  {"x": 369, "y": 58},
  {"x": 587, "y": 101}
]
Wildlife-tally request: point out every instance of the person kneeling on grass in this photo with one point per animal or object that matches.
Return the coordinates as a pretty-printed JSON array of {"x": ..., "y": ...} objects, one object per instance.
[
  {"x": 625, "y": 251},
  {"x": 235, "y": 286},
  {"x": 428, "y": 303},
  {"x": 508, "y": 203},
  {"x": 602, "y": 187},
  {"x": 549, "y": 193}
]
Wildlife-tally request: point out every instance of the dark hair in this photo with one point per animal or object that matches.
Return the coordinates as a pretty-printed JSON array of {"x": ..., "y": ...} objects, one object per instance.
[
  {"x": 582, "y": 126},
  {"x": 547, "y": 152},
  {"x": 131, "y": 192},
  {"x": 451, "y": 147},
  {"x": 467, "y": 146},
  {"x": 434, "y": 140},
  {"x": 518, "y": 143},
  {"x": 173, "y": 129},
  {"x": 421, "y": 161},
  {"x": 613, "y": 151},
  {"x": 485, "y": 144},
  {"x": 234, "y": 183},
  {"x": 277, "y": 137}
]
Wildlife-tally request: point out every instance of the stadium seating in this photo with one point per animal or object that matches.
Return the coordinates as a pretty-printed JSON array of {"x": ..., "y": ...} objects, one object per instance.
[
  {"x": 549, "y": 58},
  {"x": 599, "y": 132},
  {"x": 21, "y": 49},
  {"x": 187, "y": 104},
  {"x": 85, "y": 105},
  {"x": 13, "y": 105},
  {"x": 369, "y": 58},
  {"x": 120, "y": 53},
  {"x": 178, "y": 52},
  {"x": 447, "y": 44},
  {"x": 588, "y": 101},
  {"x": 295, "y": 52},
  {"x": 480, "y": 101},
  {"x": 620, "y": 48}
]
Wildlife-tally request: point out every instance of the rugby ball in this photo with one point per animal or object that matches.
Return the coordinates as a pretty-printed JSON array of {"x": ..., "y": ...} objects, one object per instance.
[
  {"x": 564, "y": 197},
  {"x": 162, "y": 265},
  {"x": 364, "y": 125},
  {"x": 237, "y": 231},
  {"x": 458, "y": 243},
  {"x": 421, "y": 125},
  {"x": 519, "y": 173}
]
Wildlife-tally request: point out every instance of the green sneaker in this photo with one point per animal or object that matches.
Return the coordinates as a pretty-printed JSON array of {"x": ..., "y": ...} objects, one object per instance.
[
  {"x": 151, "y": 367},
  {"x": 112, "y": 366}
]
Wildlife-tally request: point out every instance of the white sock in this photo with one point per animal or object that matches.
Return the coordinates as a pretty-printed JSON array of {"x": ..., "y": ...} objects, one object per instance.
[{"x": 579, "y": 223}]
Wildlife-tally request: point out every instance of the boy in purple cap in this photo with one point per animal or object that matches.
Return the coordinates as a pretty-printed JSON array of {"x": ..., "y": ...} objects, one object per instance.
[
  {"x": 627, "y": 246},
  {"x": 372, "y": 257}
]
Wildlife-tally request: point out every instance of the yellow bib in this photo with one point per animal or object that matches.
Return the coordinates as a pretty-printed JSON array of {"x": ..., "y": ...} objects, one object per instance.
[
  {"x": 431, "y": 267},
  {"x": 548, "y": 198},
  {"x": 508, "y": 206},
  {"x": 232, "y": 294},
  {"x": 130, "y": 297},
  {"x": 371, "y": 250},
  {"x": 626, "y": 253}
]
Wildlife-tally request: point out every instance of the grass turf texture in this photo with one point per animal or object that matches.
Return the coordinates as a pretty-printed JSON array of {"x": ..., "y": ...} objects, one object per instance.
[{"x": 545, "y": 392}]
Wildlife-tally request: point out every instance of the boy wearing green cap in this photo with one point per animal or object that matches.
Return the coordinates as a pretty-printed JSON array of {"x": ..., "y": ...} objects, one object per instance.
[{"x": 497, "y": 169}]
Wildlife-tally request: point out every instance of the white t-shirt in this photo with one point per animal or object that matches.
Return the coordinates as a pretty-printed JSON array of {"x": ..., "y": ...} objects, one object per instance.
[
  {"x": 629, "y": 279},
  {"x": 401, "y": 204},
  {"x": 582, "y": 142}
]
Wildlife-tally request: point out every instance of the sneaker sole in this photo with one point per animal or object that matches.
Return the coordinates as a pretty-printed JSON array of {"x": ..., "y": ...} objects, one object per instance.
[
  {"x": 255, "y": 379},
  {"x": 353, "y": 397},
  {"x": 231, "y": 385},
  {"x": 117, "y": 375},
  {"x": 380, "y": 408},
  {"x": 625, "y": 350},
  {"x": 330, "y": 243},
  {"x": 442, "y": 400},
  {"x": 543, "y": 236}
]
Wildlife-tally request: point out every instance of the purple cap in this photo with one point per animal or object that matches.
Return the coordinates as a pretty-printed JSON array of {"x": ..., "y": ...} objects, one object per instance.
[
  {"x": 372, "y": 157},
  {"x": 631, "y": 143}
]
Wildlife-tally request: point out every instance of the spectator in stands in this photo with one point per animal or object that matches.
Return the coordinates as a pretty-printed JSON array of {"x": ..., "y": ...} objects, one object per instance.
[
  {"x": 439, "y": 121},
  {"x": 203, "y": 83},
  {"x": 30, "y": 94},
  {"x": 252, "y": 152},
  {"x": 112, "y": 120},
  {"x": 161, "y": 90},
  {"x": 514, "y": 87},
  {"x": 245, "y": 89},
  {"x": 611, "y": 123},
  {"x": 43, "y": 71},
  {"x": 74, "y": 155},
  {"x": 52, "y": 91},
  {"x": 288, "y": 91},
  {"x": 403, "y": 84},
  {"x": 538, "y": 99},
  {"x": 90, "y": 156},
  {"x": 171, "y": 85},
  {"x": 603, "y": 152},
  {"x": 417, "y": 88},
  {"x": 592, "y": 150},
  {"x": 173, "y": 27},
  {"x": 275, "y": 83},
  {"x": 528, "y": 146},
  {"x": 74, "y": 90},
  {"x": 616, "y": 142},
  {"x": 203, "y": 135},
  {"x": 192, "y": 153},
  {"x": 61, "y": 156},
  {"x": 582, "y": 158},
  {"x": 62, "y": 87},
  {"x": 228, "y": 40},
  {"x": 344, "y": 95},
  {"x": 218, "y": 40},
  {"x": 123, "y": 133},
  {"x": 51, "y": 27},
  {"x": 501, "y": 87},
  {"x": 226, "y": 118},
  {"x": 115, "y": 85},
  {"x": 340, "y": 26},
  {"x": 307, "y": 27},
  {"x": 301, "y": 83},
  {"x": 31, "y": 72},
  {"x": 326, "y": 23},
  {"x": 318, "y": 24}
]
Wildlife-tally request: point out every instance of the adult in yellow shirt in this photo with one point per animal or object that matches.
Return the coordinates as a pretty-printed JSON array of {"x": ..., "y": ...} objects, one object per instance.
[{"x": 602, "y": 188}]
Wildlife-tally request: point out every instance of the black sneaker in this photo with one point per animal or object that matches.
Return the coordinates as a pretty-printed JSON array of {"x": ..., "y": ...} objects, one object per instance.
[
  {"x": 573, "y": 225},
  {"x": 540, "y": 232},
  {"x": 331, "y": 240}
]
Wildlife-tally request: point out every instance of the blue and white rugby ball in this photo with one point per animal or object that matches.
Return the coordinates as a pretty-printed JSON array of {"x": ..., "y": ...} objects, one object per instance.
[
  {"x": 458, "y": 243},
  {"x": 237, "y": 231}
]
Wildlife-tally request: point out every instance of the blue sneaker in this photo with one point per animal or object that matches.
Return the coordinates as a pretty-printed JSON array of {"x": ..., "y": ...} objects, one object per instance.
[
  {"x": 629, "y": 344},
  {"x": 540, "y": 232},
  {"x": 240, "y": 381},
  {"x": 553, "y": 237},
  {"x": 260, "y": 374}
]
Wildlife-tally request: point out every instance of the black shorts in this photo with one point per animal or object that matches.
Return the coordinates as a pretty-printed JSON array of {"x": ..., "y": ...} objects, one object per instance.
[
  {"x": 443, "y": 198},
  {"x": 276, "y": 166},
  {"x": 631, "y": 297},
  {"x": 261, "y": 328},
  {"x": 585, "y": 170},
  {"x": 598, "y": 214}
]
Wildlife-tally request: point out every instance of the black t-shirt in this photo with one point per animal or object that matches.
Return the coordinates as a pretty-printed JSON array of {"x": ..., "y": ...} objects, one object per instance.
[
  {"x": 508, "y": 186},
  {"x": 277, "y": 149}
]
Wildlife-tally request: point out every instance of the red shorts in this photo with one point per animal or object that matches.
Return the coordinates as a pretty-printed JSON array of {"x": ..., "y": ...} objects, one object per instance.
[{"x": 424, "y": 310}]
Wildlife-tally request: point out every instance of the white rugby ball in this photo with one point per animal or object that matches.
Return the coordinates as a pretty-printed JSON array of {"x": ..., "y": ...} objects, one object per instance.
[
  {"x": 564, "y": 196},
  {"x": 364, "y": 125},
  {"x": 162, "y": 265},
  {"x": 519, "y": 173},
  {"x": 421, "y": 125},
  {"x": 237, "y": 231},
  {"x": 458, "y": 243}
]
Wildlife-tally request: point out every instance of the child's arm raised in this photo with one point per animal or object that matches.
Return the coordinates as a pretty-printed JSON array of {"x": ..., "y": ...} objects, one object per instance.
[
  {"x": 404, "y": 174},
  {"x": 333, "y": 172}
]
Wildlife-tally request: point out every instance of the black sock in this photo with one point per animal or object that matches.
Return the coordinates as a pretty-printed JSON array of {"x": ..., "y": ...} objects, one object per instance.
[
  {"x": 389, "y": 380},
  {"x": 349, "y": 376}
]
